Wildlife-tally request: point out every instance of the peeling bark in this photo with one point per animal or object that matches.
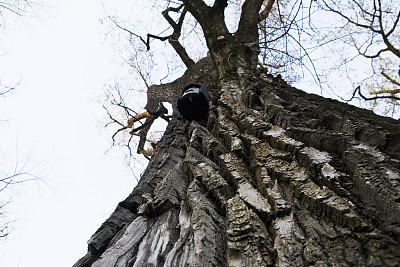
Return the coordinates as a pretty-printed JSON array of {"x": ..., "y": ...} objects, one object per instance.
[{"x": 273, "y": 177}]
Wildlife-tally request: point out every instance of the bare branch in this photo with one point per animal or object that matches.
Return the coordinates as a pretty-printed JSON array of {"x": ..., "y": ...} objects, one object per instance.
[
  {"x": 266, "y": 11},
  {"x": 174, "y": 25},
  {"x": 131, "y": 33},
  {"x": 392, "y": 81},
  {"x": 358, "y": 89},
  {"x": 370, "y": 27},
  {"x": 394, "y": 25},
  {"x": 364, "y": 54},
  {"x": 6, "y": 90},
  {"x": 382, "y": 32},
  {"x": 174, "y": 37}
]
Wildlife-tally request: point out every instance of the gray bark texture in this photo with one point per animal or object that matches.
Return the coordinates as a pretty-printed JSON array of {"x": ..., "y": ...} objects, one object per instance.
[{"x": 273, "y": 177}]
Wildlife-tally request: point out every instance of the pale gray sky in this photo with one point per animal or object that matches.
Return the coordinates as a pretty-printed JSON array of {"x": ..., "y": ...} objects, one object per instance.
[{"x": 53, "y": 116}]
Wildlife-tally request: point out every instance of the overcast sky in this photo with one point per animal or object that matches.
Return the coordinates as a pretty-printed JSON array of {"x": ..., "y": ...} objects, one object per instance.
[{"x": 54, "y": 118}]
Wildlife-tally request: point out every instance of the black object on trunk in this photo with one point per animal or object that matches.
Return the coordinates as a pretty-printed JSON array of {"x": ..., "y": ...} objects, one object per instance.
[{"x": 193, "y": 102}]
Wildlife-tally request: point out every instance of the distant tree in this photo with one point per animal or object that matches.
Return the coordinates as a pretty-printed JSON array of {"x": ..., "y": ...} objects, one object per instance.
[
  {"x": 18, "y": 8},
  {"x": 13, "y": 169},
  {"x": 9, "y": 11}
]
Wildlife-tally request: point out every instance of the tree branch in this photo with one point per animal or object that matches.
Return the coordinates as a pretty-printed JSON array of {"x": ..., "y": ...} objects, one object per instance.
[
  {"x": 394, "y": 25},
  {"x": 349, "y": 19},
  {"x": 358, "y": 89},
  {"x": 6, "y": 90},
  {"x": 173, "y": 39},
  {"x": 391, "y": 80},
  {"x": 197, "y": 8},
  {"x": 267, "y": 10},
  {"x": 248, "y": 25},
  {"x": 371, "y": 56},
  {"x": 382, "y": 32},
  {"x": 131, "y": 33},
  {"x": 171, "y": 22},
  {"x": 220, "y": 5}
]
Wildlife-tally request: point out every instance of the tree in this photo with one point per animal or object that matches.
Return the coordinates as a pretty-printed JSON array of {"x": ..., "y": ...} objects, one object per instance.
[
  {"x": 14, "y": 169},
  {"x": 9, "y": 10},
  {"x": 273, "y": 175}
]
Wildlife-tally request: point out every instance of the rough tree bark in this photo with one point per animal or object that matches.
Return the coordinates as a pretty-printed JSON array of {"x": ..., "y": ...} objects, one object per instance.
[{"x": 273, "y": 177}]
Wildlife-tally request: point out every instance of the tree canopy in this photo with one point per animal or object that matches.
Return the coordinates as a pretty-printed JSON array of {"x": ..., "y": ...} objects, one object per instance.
[{"x": 348, "y": 50}]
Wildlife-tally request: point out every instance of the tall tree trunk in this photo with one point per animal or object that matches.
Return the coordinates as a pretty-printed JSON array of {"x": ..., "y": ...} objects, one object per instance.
[{"x": 274, "y": 177}]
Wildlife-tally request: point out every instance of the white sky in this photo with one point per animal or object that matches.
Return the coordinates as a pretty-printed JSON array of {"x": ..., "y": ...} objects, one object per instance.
[{"x": 64, "y": 63}]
